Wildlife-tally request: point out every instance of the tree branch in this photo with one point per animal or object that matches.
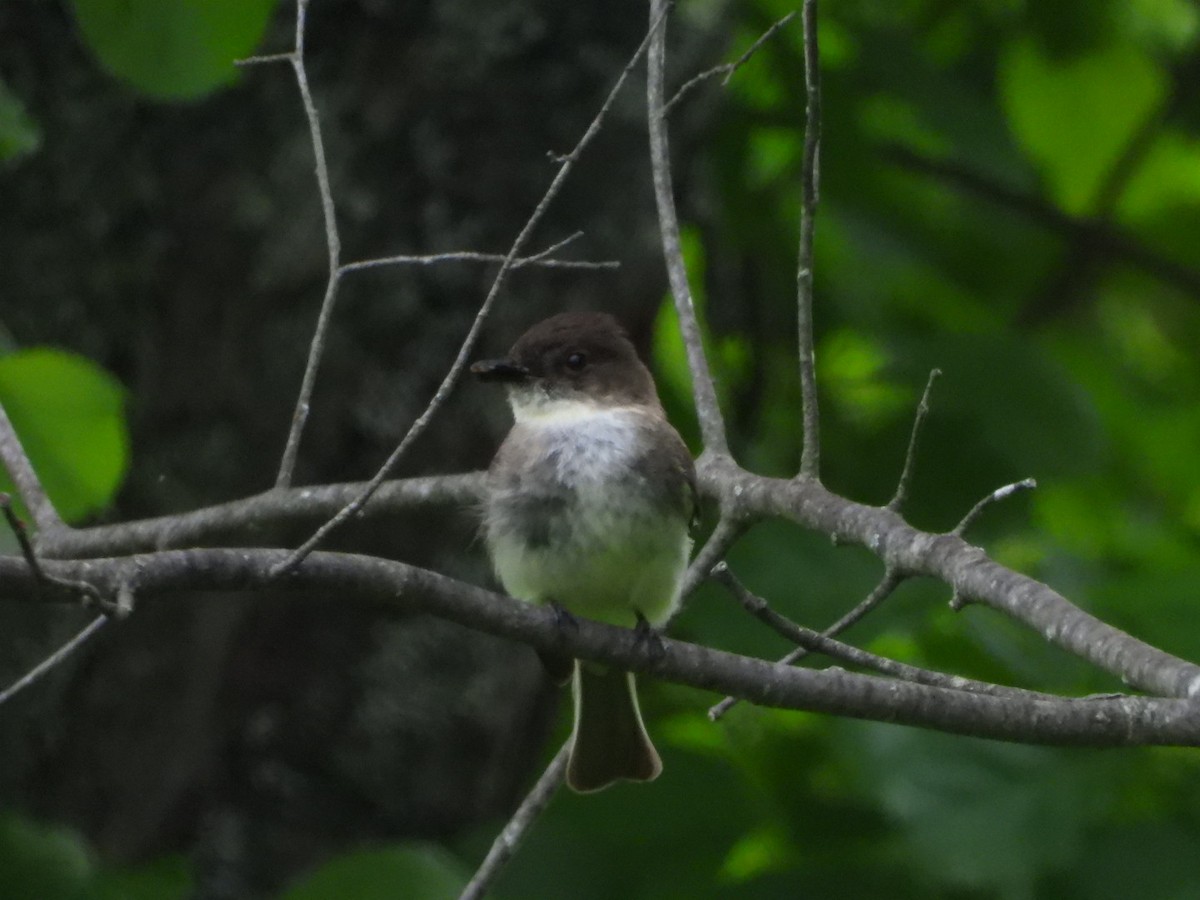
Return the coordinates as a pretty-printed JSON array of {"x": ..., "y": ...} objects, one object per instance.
[
  {"x": 541, "y": 259},
  {"x": 24, "y": 478},
  {"x": 1107, "y": 722},
  {"x": 816, "y": 642},
  {"x": 34, "y": 674},
  {"x": 896, "y": 504},
  {"x": 903, "y": 549},
  {"x": 726, "y": 69},
  {"x": 244, "y": 517},
  {"x": 708, "y": 410},
  {"x": 1001, "y": 493},
  {"x": 333, "y": 246},
  {"x": 510, "y": 837},
  {"x": 890, "y": 581},
  {"x": 810, "y": 179},
  {"x": 967, "y": 569}
]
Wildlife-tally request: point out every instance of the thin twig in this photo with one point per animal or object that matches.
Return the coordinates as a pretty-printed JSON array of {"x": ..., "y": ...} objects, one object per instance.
[
  {"x": 815, "y": 642},
  {"x": 470, "y": 256},
  {"x": 468, "y": 344},
  {"x": 264, "y": 59},
  {"x": 890, "y": 581},
  {"x": 53, "y": 659},
  {"x": 726, "y": 69},
  {"x": 538, "y": 259},
  {"x": 810, "y": 177},
  {"x": 510, "y": 837},
  {"x": 910, "y": 457},
  {"x": 724, "y": 535},
  {"x": 17, "y": 527},
  {"x": 86, "y": 592},
  {"x": 708, "y": 411},
  {"x": 1002, "y": 493},
  {"x": 333, "y": 245},
  {"x": 24, "y": 478}
]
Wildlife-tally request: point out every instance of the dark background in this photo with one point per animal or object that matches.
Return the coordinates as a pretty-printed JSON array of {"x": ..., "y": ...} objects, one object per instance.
[{"x": 1008, "y": 192}]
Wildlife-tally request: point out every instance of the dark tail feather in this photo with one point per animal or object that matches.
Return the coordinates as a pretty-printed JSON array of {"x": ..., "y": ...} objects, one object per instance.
[
  {"x": 557, "y": 666},
  {"x": 609, "y": 743}
]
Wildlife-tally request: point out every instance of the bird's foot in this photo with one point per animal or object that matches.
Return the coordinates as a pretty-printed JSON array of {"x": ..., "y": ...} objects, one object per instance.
[
  {"x": 563, "y": 619},
  {"x": 647, "y": 636}
]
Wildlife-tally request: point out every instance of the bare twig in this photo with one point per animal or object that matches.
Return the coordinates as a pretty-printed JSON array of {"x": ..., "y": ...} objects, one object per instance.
[
  {"x": 726, "y": 69},
  {"x": 53, "y": 659},
  {"x": 1002, "y": 493},
  {"x": 708, "y": 411},
  {"x": 333, "y": 246},
  {"x": 510, "y": 837},
  {"x": 264, "y": 59},
  {"x": 18, "y": 529},
  {"x": 724, "y": 535},
  {"x": 810, "y": 178},
  {"x": 815, "y": 642},
  {"x": 24, "y": 478},
  {"x": 890, "y": 581},
  {"x": 468, "y": 344},
  {"x": 538, "y": 259},
  {"x": 910, "y": 457},
  {"x": 86, "y": 592}
]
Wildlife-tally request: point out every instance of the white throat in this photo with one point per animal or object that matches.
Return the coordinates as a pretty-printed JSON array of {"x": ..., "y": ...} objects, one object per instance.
[{"x": 537, "y": 408}]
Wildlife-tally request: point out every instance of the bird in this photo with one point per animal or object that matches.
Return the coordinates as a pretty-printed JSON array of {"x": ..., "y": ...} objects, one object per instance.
[{"x": 588, "y": 508}]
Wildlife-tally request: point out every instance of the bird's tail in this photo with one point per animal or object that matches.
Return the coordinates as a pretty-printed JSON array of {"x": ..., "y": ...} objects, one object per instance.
[{"x": 609, "y": 742}]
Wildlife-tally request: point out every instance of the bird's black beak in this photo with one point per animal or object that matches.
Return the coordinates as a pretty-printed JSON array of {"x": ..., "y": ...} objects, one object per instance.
[{"x": 503, "y": 370}]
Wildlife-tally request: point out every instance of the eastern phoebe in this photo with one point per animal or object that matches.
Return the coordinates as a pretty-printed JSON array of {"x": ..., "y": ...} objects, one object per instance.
[{"x": 589, "y": 503}]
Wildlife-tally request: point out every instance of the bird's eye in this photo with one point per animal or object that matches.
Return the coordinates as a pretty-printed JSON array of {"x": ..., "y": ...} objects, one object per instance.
[{"x": 576, "y": 361}]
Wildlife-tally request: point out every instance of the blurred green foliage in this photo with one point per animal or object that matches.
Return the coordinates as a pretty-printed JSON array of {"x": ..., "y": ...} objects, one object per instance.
[
  {"x": 19, "y": 134},
  {"x": 417, "y": 871},
  {"x": 173, "y": 49},
  {"x": 1011, "y": 193},
  {"x": 54, "y": 864}
]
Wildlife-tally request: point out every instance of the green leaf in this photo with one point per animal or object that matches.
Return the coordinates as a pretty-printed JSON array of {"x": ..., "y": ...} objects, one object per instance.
[
  {"x": 765, "y": 849},
  {"x": 1075, "y": 117},
  {"x": 1001, "y": 393},
  {"x": 853, "y": 372},
  {"x": 40, "y": 861},
  {"x": 19, "y": 134},
  {"x": 977, "y": 815},
  {"x": 415, "y": 872},
  {"x": 166, "y": 878},
  {"x": 68, "y": 414},
  {"x": 173, "y": 49}
]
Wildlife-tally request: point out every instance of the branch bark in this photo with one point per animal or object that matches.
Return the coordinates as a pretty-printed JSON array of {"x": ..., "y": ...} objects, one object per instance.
[
  {"x": 1101, "y": 722},
  {"x": 906, "y": 550}
]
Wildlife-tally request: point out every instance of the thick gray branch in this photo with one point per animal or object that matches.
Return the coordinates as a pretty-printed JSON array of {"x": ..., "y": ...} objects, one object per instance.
[
  {"x": 966, "y": 568},
  {"x": 907, "y": 550},
  {"x": 1121, "y": 721},
  {"x": 244, "y": 517}
]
